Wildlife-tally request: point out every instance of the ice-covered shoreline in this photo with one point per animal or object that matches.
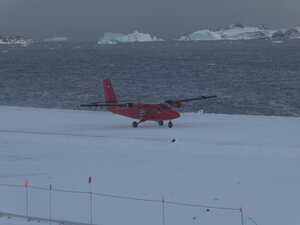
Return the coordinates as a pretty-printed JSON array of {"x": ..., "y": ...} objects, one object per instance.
[
  {"x": 15, "y": 40},
  {"x": 240, "y": 32},
  {"x": 231, "y": 32}
]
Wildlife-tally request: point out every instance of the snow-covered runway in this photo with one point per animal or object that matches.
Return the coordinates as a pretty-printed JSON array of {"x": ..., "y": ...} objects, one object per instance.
[{"x": 218, "y": 160}]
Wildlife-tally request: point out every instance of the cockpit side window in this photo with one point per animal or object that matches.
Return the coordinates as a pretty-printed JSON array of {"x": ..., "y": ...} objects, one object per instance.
[{"x": 164, "y": 106}]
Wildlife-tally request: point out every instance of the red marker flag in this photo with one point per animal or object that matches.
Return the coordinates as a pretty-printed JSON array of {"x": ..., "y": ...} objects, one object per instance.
[
  {"x": 90, "y": 180},
  {"x": 163, "y": 198},
  {"x": 26, "y": 183},
  {"x": 241, "y": 209}
]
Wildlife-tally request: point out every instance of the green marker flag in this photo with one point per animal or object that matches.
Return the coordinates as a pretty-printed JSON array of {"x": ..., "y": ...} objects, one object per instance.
[{"x": 50, "y": 187}]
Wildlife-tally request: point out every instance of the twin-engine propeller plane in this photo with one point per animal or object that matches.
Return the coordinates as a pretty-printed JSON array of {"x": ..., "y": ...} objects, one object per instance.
[{"x": 141, "y": 112}]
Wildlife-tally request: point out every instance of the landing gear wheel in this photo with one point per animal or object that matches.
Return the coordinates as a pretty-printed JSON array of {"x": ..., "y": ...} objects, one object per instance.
[
  {"x": 170, "y": 124},
  {"x": 160, "y": 123},
  {"x": 134, "y": 124}
]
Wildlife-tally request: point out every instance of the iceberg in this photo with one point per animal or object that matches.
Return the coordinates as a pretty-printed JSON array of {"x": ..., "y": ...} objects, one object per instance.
[
  {"x": 157, "y": 39},
  {"x": 15, "y": 40},
  {"x": 240, "y": 32},
  {"x": 135, "y": 37},
  {"x": 57, "y": 39},
  {"x": 114, "y": 38},
  {"x": 290, "y": 33},
  {"x": 109, "y": 38},
  {"x": 201, "y": 35}
]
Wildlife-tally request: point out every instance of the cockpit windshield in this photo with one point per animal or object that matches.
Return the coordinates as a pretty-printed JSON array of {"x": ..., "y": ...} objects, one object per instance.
[{"x": 165, "y": 106}]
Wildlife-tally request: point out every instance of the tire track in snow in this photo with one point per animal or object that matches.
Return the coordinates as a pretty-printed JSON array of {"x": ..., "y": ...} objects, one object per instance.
[{"x": 81, "y": 135}]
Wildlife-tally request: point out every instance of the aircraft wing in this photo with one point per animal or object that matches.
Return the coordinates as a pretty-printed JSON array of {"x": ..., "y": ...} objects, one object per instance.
[
  {"x": 177, "y": 103},
  {"x": 97, "y": 104}
]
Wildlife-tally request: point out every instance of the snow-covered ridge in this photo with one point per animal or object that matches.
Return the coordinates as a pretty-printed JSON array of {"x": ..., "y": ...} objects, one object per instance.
[
  {"x": 114, "y": 38},
  {"x": 240, "y": 32},
  {"x": 15, "y": 40},
  {"x": 57, "y": 39}
]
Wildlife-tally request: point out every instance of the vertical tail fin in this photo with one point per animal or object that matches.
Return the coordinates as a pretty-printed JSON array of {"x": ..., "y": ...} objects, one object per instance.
[{"x": 110, "y": 96}]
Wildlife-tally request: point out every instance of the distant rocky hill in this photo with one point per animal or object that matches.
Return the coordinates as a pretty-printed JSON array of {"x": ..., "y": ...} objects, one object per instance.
[
  {"x": 15, "y": 40},
  {"x": 241, "y": 32}
]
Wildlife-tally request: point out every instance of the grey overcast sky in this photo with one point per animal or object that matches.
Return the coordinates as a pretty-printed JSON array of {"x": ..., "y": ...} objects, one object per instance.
[{"x": 89, "y": 19}]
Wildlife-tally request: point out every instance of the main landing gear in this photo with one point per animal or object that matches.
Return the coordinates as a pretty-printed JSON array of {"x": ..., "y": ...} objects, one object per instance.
[{"x": 160, "y": 123}]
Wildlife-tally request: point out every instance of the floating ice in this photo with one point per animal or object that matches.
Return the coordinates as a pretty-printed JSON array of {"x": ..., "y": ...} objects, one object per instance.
[
  {"x": 114, "y": 38},
  {"x": 57, "y": 39}
]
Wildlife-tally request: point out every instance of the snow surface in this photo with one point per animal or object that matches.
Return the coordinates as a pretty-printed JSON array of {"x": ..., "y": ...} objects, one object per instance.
[
  {"x": 216, "y": 160},
  {"x": 233, "y": 32},
  {"x": 114, "y": 38}
]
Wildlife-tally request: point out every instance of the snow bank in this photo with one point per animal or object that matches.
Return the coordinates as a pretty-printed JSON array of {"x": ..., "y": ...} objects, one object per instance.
[
  {"x": 240, "y": 32},
  {"x": 220, "y": 160},
  {"x": 114, "y": 38}
]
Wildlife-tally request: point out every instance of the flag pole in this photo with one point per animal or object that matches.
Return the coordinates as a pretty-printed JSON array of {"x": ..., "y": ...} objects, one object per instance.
[
  {"x": 163, "y": 208},
  {"x": 50, "y": 206},
  {"x": 26, "y": 186},
  {"x": 242, "y": 216},
  {"x": 91, "y": 199}
]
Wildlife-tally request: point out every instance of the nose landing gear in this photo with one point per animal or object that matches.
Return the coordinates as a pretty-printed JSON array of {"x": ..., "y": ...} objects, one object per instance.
[{"x": 134, "y": 124}]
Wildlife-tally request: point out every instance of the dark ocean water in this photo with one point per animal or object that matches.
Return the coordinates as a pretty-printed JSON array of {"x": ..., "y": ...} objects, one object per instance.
[{"x": 249, "y": 77}]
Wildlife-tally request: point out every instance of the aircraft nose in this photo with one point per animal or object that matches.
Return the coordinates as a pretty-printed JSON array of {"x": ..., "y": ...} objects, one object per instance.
[{"x": 175, "y": 114}]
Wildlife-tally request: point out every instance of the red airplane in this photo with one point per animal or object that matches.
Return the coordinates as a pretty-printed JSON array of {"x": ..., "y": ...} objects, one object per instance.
[{"x": 141, "y": 112}]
